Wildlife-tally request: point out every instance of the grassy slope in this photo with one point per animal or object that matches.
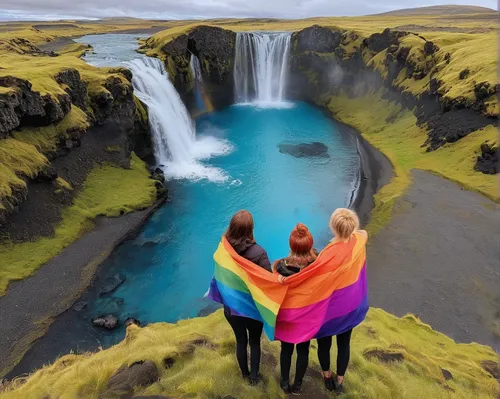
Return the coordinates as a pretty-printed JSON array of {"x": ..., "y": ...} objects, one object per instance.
[
  {"x": 108, "y": 190},
  {"x": 401, "y": 142},
  {"x": 210, "y": 370}
]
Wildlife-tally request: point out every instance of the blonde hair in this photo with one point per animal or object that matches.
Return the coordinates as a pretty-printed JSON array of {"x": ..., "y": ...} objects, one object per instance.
[{"x": 344, "y": 223}]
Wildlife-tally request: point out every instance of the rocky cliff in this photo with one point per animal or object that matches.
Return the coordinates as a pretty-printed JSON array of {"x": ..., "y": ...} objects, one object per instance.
[
  {"x": 408, "y": 69},
  {"x": 50, "y": 140},
  {"x": 214, "y": 47}
]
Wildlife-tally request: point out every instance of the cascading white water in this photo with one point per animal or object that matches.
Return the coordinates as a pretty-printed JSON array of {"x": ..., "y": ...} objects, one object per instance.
[
  {"x": 194, "y": 65},
  {"x": 261, "y": 67},
  {"x": 173, "y": 131}
]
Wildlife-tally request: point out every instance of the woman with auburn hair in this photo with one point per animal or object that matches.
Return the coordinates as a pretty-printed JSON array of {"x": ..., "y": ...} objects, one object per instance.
[
  {"x": 246, "y": 330},
  {"x": 344, "y": 223},
  {"x": 302, "y": 254}
]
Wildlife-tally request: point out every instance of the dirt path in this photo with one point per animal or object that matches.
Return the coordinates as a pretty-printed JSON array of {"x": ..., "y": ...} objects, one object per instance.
[
  {"x": 29, "y": 306},
  {"x": 439, "y": 258}
]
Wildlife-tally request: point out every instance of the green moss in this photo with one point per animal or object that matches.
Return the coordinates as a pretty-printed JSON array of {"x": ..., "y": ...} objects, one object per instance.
[
  {"x": 18, "y": 159},
  {"x": 401, "y": 142},
  {"x": 63, "y": 184},
  {"x": 45, "y": 138},
  {"x": 113, "y": 148},
  {"x": 210, "y": 370},
  {"x": 141, "y": 111},
  {"x": 108, "y": 191}
]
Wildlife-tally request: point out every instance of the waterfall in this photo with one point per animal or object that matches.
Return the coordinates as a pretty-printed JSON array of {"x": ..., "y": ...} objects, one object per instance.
[
  {"x": 261, "y": 67},
  {"x": 173, "y": 132},
  {"x": 203, "y": 103}
]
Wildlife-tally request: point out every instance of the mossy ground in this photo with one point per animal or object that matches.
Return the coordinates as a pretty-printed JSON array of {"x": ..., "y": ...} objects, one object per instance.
[
  {"x": 204, "y": 364},
  {"x": 108, "y": 191},
  {"x": 45, "y": 138},
  {"x": 401, "y": 141}
]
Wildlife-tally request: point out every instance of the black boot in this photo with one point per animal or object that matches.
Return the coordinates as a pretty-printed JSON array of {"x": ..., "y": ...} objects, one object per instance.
[
  {"x": 285, "y": 385},
  {"x": 329, "y": 383},
  {"x": 297, "y": 388}
]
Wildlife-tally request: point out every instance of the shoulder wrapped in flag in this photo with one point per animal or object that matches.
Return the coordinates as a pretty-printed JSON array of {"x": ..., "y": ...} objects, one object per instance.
[{"x": 327, "y": 298}]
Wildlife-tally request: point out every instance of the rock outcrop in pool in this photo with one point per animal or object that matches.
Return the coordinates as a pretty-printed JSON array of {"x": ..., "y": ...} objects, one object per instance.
[{"x": 305, "y": 150}]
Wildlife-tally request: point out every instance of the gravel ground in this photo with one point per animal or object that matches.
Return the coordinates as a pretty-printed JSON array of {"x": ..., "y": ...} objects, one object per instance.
[{"x": 439, "y": 258}]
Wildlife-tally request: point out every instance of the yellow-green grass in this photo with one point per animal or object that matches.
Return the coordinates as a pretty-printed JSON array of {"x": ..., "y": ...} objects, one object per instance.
[
  {"x": 209, "y": 369},
  {"x": 45, "y": 138},
  {"x": 401, "y": 141},
  {"x": 18, "y": 159},
  {"x": 108, "y": 191}
]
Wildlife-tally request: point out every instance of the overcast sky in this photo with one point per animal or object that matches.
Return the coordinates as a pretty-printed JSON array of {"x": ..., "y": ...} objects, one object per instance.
[{"x": 184, "y": 9}]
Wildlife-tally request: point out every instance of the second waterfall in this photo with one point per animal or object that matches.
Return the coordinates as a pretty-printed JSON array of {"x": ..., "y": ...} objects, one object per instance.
[{"x": 261, "y": 67}]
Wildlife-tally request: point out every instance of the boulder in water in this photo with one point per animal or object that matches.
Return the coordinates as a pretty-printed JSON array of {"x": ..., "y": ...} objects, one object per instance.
[
  {"x": 112, "y": 284},
  {"x": 108, "y": 321},
  {"x": 304, "y": 150}
]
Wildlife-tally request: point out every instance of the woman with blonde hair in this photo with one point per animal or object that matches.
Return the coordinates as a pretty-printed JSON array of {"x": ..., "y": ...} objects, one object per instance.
[
  {"x": 344, "y": 223},
  {"x": 302, "y": 254}
]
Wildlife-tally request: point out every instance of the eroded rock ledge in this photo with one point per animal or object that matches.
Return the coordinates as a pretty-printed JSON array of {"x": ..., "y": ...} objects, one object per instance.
[
  {"x": 62, "y": 133},
  {"x": 325, "y": 61}
]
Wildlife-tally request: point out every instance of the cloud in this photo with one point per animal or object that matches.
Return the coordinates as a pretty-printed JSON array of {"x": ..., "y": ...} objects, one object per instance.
[{"x": 184, "y": 9}]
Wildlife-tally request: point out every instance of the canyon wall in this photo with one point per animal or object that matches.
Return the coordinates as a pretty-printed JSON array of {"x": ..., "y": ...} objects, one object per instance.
[{"x": 50, "y": 142}]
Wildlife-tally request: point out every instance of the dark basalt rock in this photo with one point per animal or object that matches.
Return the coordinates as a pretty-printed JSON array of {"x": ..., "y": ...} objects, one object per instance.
[
  {"x": 158, "y": 175},
  {"x": 304, "y": 150},
  {"x": 47, "y": 174},
  {"x": 112, "y": 284},
  {"x": 464, "y": 74},
  {"x": 484, "y": 90},
  {"x": 489, "y": 160},
  {"x": 380, "y": 41},
  {"x": 447, "y": 374},
  {"x": 430, "y": 48},
  {"x": 76, "y": 87},
  {"x": 214, "y": 47},
  {"x": 132, "y": 320},
  {"x": 317, "y": 39},
  {"x": 20, "y": 106},
  {"x": 493, "y": 368},
  {"x": 110, "y": 322},
  {"x": 384, "y": 356},
  {"x": 127, "y": 73},
  {"x": 126, "y": 379}
]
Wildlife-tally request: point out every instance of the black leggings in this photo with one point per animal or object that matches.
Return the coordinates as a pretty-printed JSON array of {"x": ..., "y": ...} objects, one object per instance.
[
  {"x": 286, "y": 360},
  {"x": 247, "y": 330},
  {"x": 343, "y": 352}
]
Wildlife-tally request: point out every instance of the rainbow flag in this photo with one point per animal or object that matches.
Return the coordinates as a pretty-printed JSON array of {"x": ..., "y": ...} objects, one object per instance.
[
  {"x": 247, "y": 289},
  {"x": 328, "y": 297}
]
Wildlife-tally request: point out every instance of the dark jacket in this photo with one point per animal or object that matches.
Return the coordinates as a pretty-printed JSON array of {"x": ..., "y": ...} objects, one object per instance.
[
  {"x": 254, "y": 253},
  {"x": 285, "y": 269}
]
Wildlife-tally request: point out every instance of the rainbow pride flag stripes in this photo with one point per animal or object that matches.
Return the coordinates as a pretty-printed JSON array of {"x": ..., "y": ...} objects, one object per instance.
[{"x": 327, "y": 298}]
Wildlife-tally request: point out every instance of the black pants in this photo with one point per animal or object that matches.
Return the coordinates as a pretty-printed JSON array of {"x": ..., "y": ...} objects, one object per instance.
[
  {"x": 343, "y": 352},
  {"x": 247, "y": 331},
  {"x": 286, "y": 360}
]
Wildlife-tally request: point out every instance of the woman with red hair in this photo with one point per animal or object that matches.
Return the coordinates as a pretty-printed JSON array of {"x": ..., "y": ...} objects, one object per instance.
[{"x": 302, "y": 254}]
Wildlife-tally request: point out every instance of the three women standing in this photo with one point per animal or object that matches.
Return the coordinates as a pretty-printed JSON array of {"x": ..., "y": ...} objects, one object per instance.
[{"x": 344, "y": 225}]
